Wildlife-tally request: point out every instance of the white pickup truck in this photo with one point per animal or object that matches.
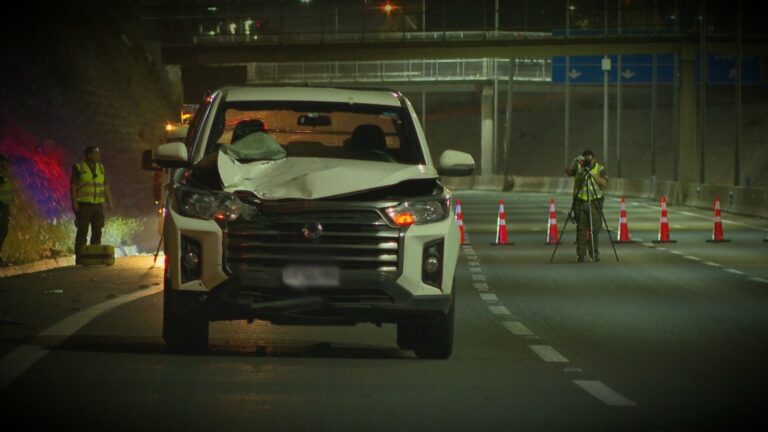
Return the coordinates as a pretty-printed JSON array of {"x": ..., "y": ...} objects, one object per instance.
[{"x": 309, "y": 206}]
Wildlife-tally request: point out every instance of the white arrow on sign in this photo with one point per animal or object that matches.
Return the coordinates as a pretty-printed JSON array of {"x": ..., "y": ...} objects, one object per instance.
[
  {"x": 574, "y": 73},
  {"x": 628, "y": 74}
]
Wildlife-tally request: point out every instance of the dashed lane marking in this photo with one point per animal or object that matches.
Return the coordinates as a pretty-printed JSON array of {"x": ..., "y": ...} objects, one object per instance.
[
  {"x": 480, "y": 285},
  {"x": 734, "y": 271},
  {"x": 675, "y": 252},
  {"x": 474, "y": 263},
  {"x": 711, "y": 264},
  {"x": 517, "y": 328},
  {"x": 489, "y": 297},
  {"x": 475, "y": 269},
  {"x": 548, "y": 354},
  {"x": 757, "y": 279},
  {"x": 692, "y": 258},
  {"x": 604, "y": 393},
  {"x": 478, "y": 277},
  {"x": 500, "y": 310}
]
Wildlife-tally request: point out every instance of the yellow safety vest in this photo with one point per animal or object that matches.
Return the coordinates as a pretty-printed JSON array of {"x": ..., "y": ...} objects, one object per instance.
[
  {"x": 580, "y": 186},
  {"x": 90, "y": 186},
  {"x": 5, "y": 190}
]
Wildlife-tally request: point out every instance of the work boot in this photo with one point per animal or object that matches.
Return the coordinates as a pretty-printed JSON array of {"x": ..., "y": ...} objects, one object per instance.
[
  {"x": 580, "y": 259},
  {"x": 595, "y": 257}
]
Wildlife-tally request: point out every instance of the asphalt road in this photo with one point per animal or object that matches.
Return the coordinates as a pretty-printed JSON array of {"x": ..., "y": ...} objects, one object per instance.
[{"x": 672, "y": 337}]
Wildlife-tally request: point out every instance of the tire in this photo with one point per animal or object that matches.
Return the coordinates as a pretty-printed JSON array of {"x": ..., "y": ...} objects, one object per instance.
[
  {"x": 185, "y": 324},
  {"x": 434, "y": 338}
]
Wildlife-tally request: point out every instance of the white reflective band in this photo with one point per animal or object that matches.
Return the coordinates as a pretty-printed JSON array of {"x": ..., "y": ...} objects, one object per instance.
[
  {"x": 718, "y": 219},
  {"x": 664, "y": 220},
  {"x": 552, "y": 221},
  {"x": 623, "y": 219},
  {"x": 501, "y": 222}
]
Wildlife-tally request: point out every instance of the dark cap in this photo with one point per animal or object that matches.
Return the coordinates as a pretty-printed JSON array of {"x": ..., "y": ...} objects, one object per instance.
[{"x": 588, "y": 153}]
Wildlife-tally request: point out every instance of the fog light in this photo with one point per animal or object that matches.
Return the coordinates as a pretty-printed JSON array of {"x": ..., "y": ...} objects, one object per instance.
[
  {"x": 191, "y": 259},
  {"x": 431, "y": 264}
]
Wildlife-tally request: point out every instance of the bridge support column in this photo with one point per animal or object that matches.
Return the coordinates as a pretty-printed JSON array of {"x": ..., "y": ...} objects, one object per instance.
[
  {"x": 688, "y": 161},
  {"x": 487, "y": 127}
]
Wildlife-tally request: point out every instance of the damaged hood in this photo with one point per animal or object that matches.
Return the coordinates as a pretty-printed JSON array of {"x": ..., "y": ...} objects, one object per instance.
[{"x": 312, "y": 178}]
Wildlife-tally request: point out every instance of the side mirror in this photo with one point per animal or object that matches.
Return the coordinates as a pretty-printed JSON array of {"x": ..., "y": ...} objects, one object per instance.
[
  {"x": 172, "y": 155},
  {"x": 148, "y": 161},
  {"x": 456, "y": 164}
]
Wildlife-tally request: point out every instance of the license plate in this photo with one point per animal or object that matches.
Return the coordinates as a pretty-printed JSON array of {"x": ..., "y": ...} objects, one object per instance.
[{"x": 311, "y": 276}]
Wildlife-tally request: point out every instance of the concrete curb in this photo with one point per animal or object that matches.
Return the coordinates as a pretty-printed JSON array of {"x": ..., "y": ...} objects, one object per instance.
[
  {"x": 37, "y": 266},
  {"x": 52, "y": 263}
]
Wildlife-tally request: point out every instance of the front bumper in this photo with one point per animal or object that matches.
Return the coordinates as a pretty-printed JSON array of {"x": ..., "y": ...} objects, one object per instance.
[{"x": 363, "y": 295}]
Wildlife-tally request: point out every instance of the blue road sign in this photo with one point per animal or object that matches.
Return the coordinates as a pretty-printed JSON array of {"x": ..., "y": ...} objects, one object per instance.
[{"x": 638, "y": 69}]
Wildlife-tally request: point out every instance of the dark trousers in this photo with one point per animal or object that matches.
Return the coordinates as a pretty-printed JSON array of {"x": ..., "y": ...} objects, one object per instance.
[
  {"x": 583, "y": 244},
  {"x": 88, "y": 215},
  {"x": 5, "y": 218}
]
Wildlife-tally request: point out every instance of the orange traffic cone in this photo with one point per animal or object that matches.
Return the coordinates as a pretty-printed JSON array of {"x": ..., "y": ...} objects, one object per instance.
[
  {"x": 552, "y": 236},
  {"x": 717, "y": 231},
  {"x": 501, "y": 227},
  {"x": 623, "y": 236},
  {"x": 460, "y": 222},
  {"x": 664, "y": 224}
]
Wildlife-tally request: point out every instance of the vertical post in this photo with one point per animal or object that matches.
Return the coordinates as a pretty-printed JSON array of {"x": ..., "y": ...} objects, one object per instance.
[
  {"x": 496, "y": 17},
  {"x": 486, "y": 130},
  {"x": 687, "y": 125},
  {"x": 508, "y": 119},
  {"x": 676, "y": 114},
  {"x": 424, "y": 112},
  {"x": 606, "y": 66},
  {"x": 567, "y": 143},
  {"x": 336, "y": 16},
  {"x": 702, "y": 91},
  {"x": 739, "y": 56},
  {"x": 619, "y": 76},
  {"x": 423, "y": 16},
  {"x": 618, "y": 115},
  {"x": 495, "y": 113},
  {"x": 654, "y": 90}
]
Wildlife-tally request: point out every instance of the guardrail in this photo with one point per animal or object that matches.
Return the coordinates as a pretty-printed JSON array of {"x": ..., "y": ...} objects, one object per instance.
[{"x": 733, "y": 199}]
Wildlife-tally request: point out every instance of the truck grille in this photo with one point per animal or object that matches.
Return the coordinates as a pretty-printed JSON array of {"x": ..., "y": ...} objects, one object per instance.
[{"x": 352, "y": 240}]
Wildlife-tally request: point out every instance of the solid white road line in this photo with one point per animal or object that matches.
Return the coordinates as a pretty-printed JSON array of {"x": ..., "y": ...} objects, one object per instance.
[
  {"x": 19, "y": 360},
  {"x": 603, "y": 393},
  {"x": 517, "y": 328},
  {"x": 548, "y": 354},
  {"x": 499, "y": 310},
  {"x": 489, "y": 297}
]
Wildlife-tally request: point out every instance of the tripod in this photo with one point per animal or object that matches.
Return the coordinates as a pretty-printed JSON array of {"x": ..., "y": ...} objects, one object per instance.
[{"x": 589, "y": 182}]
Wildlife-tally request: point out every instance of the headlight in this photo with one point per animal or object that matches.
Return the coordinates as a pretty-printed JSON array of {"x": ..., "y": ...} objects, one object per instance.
[
  {"x": 202, "y": 204},
  {"x": 419, "y": 212}
]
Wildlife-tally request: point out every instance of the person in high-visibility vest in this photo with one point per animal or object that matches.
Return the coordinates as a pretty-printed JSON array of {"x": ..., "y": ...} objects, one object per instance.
[
  {"x": 584, "y": 167},
  {"x": 90, "y": 194},
  {"x": 5, "y": 201}
]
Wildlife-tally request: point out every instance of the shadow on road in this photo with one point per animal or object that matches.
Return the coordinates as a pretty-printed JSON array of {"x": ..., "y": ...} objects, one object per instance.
[{"x": 234, "y": 348}]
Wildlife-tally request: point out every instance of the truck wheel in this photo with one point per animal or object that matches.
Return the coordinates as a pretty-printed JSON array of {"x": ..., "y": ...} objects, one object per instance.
[
  {"x": 185, "y": 324},
  {"x": 434, "y": 338}
]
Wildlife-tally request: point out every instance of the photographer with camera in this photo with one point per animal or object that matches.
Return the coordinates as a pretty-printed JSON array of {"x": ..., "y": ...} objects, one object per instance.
[{"x": 590, "y": 177}]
